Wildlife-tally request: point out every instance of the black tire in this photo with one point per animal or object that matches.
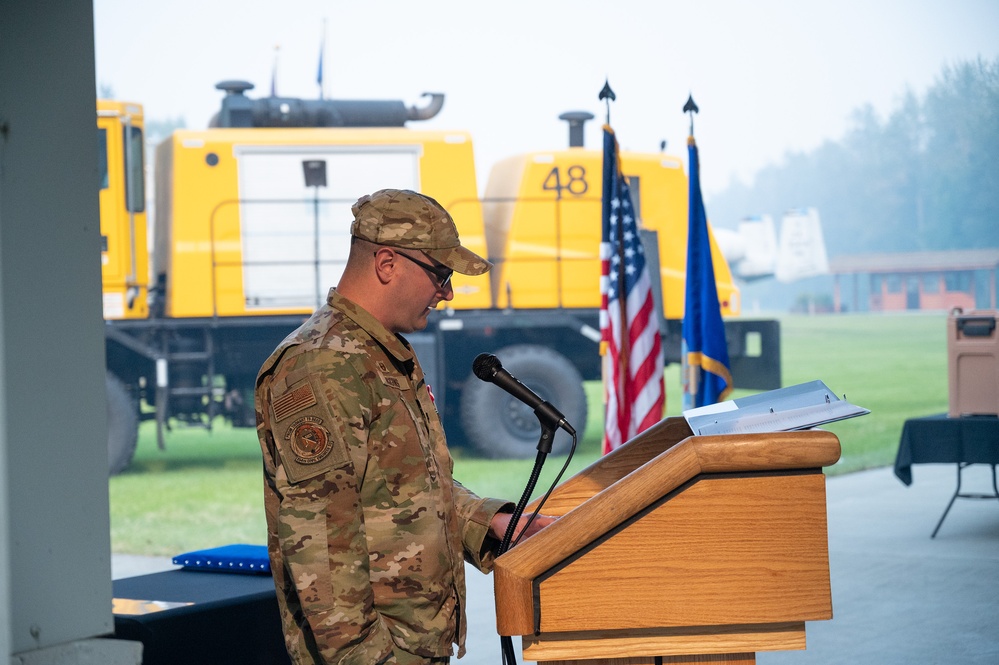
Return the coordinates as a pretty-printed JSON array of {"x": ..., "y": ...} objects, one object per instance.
[
  {"x": 123, "y": 425},
  {"x": 499, "y": 426}
]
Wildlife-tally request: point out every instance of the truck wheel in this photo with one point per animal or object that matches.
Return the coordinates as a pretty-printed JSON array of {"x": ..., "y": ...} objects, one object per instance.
[
  {"x": 123, "y": 425},
  {"x": 498, "y": 425}
]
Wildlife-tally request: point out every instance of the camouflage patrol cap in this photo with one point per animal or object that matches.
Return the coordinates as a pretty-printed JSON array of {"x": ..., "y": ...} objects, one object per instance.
[{"x": 408, "y": 220}]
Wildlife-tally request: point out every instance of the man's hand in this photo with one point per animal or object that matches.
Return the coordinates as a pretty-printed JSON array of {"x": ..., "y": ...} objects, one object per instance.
[{"x": 498, "y": 527}]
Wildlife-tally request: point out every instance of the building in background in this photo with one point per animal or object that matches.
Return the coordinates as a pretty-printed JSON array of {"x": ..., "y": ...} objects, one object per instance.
[{"x": 915, "y": 281}]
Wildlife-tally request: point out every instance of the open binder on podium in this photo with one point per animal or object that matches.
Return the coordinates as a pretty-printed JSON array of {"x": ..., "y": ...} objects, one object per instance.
[
  {"x": 803, "y": 406},
  {"x": 677, "y": 548}
]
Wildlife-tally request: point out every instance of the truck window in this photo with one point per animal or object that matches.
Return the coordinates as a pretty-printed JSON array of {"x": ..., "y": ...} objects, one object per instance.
[
  {"x": 102, "y": 156},
  {"x": 635, "y": 187},
  {"x": 135, "y": 182}
]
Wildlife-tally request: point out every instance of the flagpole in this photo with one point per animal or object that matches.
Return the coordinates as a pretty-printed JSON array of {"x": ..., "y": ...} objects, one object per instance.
[
  {"x": 691, "y": 108},
  {"x": 277, "y": 47},
  {"x": 622, "y": 302},
  {"x": 607, "y": 95},
  {"x": 635, "y": 397},
  {"x": 322, "y": 56},
  {"x": 709, "y": 378},
  {"x": 689, "y": 373}
]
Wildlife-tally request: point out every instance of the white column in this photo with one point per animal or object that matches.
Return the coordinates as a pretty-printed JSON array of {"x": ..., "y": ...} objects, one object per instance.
[{"x": 55, "y": 560}]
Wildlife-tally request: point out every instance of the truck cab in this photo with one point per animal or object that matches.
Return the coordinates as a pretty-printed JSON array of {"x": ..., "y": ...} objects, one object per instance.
[{"x": 124, "y": 255}]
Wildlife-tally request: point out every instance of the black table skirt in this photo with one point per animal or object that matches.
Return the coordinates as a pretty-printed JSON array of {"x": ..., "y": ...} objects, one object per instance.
[
  {"x": 233, "y": 619},
  {"x": 940, "y": 439}
]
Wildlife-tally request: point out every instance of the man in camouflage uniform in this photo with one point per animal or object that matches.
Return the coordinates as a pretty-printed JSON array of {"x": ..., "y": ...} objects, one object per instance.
[{"x": 367, "y": 530}]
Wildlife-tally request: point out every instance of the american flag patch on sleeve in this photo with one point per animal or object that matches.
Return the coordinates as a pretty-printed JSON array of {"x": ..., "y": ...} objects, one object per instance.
[{"x": 292, "y": 402}]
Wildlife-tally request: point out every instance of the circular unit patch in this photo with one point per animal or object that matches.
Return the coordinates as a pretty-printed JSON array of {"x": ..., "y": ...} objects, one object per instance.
[{"x": 310, "y": 441}]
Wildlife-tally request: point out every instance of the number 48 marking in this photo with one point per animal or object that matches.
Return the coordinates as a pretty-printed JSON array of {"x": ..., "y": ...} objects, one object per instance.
[{"x": 575, "y": 181}]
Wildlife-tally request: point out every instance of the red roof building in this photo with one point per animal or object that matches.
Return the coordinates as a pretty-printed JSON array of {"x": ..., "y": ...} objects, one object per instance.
[{"x": 915, "y": 280}]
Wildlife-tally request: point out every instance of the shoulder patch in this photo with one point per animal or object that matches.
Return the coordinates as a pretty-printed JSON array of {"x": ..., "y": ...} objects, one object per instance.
[
  {"x": 294, "y": 401},
  {"x": 309, "y": 435},
  {"x": 309, "y": 440}
]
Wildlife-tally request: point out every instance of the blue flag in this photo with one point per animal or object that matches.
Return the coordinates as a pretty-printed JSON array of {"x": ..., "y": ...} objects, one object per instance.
[
  {"x": 707, "y": 378},
  {"x": 319, "y": 72}
]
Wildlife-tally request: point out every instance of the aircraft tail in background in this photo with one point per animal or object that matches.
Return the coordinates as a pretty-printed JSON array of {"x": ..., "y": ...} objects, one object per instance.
[
  {"x": 753, "y": 251},
  {"x": 802, "y": 250}
]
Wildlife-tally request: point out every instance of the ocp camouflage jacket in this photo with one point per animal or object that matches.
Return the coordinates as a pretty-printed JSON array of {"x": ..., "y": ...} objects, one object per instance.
[{"x": 367, "y": 530}]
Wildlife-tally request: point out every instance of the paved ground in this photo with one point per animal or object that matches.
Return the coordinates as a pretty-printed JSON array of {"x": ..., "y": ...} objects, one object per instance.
[{"x": 898, "y": 596}]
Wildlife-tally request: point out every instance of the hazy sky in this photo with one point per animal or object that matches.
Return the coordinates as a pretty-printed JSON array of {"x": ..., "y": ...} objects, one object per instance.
[{"x": 769, "y": 76}]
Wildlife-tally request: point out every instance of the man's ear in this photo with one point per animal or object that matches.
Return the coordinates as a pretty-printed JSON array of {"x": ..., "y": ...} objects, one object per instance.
[{"x": 385, "y": 264}]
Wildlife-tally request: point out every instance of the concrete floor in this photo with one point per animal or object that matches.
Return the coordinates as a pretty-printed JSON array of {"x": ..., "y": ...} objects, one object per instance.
[{"x": 899, "y": 597}]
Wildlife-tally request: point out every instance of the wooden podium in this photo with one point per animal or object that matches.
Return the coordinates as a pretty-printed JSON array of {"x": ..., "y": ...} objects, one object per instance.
[{"x": 676, "y": 548}]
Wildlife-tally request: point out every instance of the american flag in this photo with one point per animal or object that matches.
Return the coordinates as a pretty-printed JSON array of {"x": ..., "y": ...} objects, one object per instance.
[{"x": 629, "y": 324}]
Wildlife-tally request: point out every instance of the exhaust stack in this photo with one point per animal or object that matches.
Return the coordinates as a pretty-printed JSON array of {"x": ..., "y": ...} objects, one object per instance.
[
  {"x": 238, "y": 110},
  {"x": 576, "y": 120}
]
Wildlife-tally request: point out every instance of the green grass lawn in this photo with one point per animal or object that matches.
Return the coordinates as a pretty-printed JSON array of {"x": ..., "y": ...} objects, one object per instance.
[{"x": 204, "y": 490}]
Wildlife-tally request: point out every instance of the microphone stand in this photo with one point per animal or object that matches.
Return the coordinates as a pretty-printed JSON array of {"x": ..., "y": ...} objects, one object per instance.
[{"x": 544, "y": 447}]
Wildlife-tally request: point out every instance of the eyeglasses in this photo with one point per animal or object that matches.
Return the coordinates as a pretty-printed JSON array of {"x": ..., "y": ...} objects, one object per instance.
[{"x": 442, "y": 274}]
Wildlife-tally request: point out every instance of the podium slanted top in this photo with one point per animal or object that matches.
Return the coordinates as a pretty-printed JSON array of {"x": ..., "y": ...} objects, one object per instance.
[{"x": 803, "y": 406}]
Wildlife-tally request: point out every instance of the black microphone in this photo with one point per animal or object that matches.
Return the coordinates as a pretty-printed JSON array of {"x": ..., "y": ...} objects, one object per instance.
[{"x": 488, "y": 367}]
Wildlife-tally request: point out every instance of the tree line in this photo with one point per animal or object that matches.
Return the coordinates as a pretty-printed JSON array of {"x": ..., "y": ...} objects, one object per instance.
[{"x": 925, "y": 178}]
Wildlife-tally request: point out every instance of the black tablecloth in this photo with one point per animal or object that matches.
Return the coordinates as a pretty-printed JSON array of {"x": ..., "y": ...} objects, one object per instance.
[
  {"x": 233, "y": 619},
  {"x": 940, "y": 439}
]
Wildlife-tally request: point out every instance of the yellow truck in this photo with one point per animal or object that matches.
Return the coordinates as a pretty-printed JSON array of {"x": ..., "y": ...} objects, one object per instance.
[{"x": 252, "y": 218}]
